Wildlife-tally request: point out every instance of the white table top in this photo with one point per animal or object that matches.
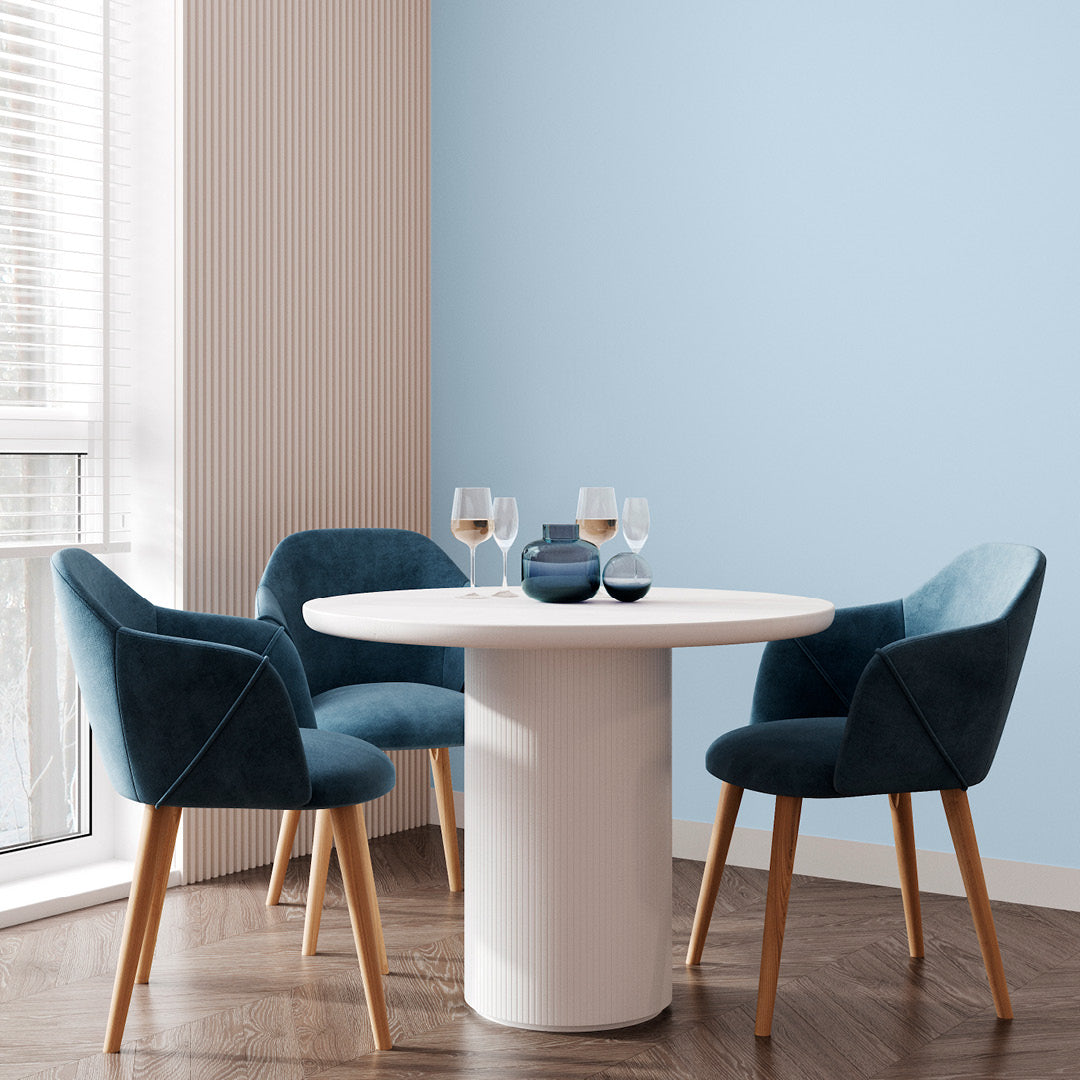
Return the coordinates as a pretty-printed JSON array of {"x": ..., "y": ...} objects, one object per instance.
[{"x": 665, "y": 618}]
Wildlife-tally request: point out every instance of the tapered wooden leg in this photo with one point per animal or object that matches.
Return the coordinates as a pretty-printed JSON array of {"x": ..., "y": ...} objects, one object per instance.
[
  {"x": 289, "y": 821},
  {"x": 727, "y": 810},
  {"x": 369, "y": 886},
  {"x": 781, "y": 864},
  {"x": 164, "y": 865},
  {"x": 907, "y": 864},
  {"x": 373, "y": 900},
  {"x": 444, "y": 796},
  {"x": 320, "y": 863},
  {"x": 349, "y": 840},
  {"x": 958, "y": 813},
  {"x": 155, "y": 828}
]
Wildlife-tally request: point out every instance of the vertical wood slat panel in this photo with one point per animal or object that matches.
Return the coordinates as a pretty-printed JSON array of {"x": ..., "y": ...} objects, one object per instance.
[{"x": 306, "y": 313}]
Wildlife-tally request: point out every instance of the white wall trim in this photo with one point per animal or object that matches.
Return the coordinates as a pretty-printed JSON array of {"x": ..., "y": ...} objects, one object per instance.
[
  {"x": 875, "y": 864},
  {"x": 68, "y": 890},
  {"x": 842, "y": 860},
  {"x": 869, "y": 864}
]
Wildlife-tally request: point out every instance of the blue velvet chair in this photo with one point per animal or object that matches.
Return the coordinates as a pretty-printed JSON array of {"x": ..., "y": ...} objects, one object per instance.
[
  {"x": 909, "y": 695},
  {"x": 202, "y": 710},
  {"x": 398, "y": 697}
]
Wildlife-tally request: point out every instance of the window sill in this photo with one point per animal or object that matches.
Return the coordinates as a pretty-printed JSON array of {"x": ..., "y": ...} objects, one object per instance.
[{"x": 68, "y": 890}]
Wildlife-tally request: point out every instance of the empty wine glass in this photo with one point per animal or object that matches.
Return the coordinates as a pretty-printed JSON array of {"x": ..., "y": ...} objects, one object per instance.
[
  {"x": 627, "y": 575},
  {"x": 470, "y": 522},
  {"x": 505, "y": 517},
  {"x": 635, "y": 522},
  {"x": 597, "y": 517}
]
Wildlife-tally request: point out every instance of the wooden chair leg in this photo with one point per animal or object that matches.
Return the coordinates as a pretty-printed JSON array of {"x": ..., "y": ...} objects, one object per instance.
[
  {"x": 727, "y": 810},
  {"x": 320, "y": 864},
  {"x": 781, "y": 864},
  {"x": 156, "y": 827},
  {"x": 349, "y": 838},
  {"x": 958, "y": 814},
  {"x": 289, "y": 821},
  {"x": 373, "y": 900},
  {"x": 907, "y": 864},
  {"x": 161, "y": 884},
  {"x": 444, "y": 796}
]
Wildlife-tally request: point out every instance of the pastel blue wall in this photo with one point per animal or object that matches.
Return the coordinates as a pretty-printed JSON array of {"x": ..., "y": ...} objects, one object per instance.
[{"x": 808, "y": 277}]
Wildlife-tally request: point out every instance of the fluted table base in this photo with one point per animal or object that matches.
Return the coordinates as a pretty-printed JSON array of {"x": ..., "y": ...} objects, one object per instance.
[{"x": 568, "y": 825}]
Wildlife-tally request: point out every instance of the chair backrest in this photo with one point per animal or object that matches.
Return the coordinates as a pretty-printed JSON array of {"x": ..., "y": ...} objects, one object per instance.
[
  {"x": 929, "y": 709},
  {"x": 332, "y": 562},
  {"x": 991, "y": 581},
  {"x": 186, "y": 709}
]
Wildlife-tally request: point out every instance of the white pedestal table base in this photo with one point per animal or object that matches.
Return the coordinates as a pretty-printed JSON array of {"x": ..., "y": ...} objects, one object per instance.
[{"x": 568, "y": 826}]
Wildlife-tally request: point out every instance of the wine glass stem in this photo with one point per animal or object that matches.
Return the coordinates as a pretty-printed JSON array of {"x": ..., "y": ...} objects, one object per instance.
[
  {"x": 472, "y": 567},
  {"x": 504, "y": 567}
]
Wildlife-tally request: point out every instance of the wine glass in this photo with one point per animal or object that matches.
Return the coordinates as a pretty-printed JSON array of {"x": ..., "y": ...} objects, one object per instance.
[
  {"x": 597, "y": 517},
  {"x": 470, "y": 522},
  {"x": 506, "y": 529},
  {"x": 635, "y": 522},
  {"x": 627, "y": 575}
]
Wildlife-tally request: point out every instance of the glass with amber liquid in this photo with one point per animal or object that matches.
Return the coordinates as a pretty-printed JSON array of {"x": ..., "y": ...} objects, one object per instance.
[
  {"x": 597, "y": 517},
  {"x": 470, "y": 522}
]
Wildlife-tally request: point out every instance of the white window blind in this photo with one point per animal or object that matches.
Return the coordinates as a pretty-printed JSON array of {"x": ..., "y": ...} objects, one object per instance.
[{"x": 64, "y": 288}]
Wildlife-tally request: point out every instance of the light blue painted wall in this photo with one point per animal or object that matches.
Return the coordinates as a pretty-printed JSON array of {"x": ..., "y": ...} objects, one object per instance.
[{"x": 808, "y": 277}]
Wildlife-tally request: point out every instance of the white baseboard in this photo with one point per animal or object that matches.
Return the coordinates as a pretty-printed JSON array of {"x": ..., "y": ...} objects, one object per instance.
[
  {"x": 68, "y": 890},
  {"x": 875, "y": 864},
  {"x": 869, "y": 864}
]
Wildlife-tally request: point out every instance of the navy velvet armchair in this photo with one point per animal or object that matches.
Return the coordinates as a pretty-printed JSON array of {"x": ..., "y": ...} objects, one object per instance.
[
  {"x": 398, "y": 697},
  {"x": 200, "y": 710},
  {"x": 892, "y": 698}
]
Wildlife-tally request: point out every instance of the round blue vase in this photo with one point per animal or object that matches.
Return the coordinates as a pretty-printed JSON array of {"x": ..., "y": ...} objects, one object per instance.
[{"x": 560, "y": 568}]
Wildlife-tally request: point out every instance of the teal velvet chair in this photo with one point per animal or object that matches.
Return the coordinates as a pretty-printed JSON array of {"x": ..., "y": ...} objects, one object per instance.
[
  {"x": 198, "y": 710},
  {"x": 909, "y": 695},
  {"x": 398, "y": 697}
]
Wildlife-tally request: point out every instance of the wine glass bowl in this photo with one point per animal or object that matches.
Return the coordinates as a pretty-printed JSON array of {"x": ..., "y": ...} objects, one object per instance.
[
  {"x": 470, "y": 522},
  {"x": 635, "y": 522},
  {"x": 597, "y": 516},
  {"x": 505, "y": 518}
]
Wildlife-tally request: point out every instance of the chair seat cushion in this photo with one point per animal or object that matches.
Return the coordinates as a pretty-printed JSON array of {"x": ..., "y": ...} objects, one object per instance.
[
  {"x": 344, "y": 771},
  {"x": 781, "y": 757},
  {"x": 394, "y": 715}
]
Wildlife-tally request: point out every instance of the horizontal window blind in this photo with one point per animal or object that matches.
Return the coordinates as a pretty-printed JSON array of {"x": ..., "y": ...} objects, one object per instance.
[{"x": 64, "y": 288}]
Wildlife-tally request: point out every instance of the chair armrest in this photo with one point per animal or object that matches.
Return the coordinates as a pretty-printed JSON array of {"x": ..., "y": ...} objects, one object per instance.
[
  {"x": 928, "y": 713},
  {"x": 817, "y": 675},
  {"x": 248, "y": 634},
  {"x": 218, "y": 713},
  {"x": 254, "y": 635}
]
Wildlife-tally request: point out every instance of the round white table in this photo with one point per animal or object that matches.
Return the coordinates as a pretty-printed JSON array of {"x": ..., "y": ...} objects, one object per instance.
[{"x": 568, "y": 795}]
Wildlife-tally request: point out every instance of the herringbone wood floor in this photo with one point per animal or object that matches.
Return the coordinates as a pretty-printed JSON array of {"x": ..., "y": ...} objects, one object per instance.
[{"x": 230, "y": 995}]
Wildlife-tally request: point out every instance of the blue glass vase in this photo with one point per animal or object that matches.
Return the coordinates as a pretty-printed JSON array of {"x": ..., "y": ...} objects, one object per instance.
[{"x": 561, "y": 568}]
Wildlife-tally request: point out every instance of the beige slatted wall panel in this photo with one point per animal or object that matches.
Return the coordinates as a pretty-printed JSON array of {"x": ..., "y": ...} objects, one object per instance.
[{"x": 306, "y": 390}]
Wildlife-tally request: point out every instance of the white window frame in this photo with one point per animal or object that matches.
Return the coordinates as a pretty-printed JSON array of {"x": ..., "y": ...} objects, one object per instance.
[{"x": 78, "y": 871}]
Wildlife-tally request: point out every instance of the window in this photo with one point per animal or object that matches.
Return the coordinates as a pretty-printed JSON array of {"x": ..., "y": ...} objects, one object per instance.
[
  {"x": 40, "y": 733},
  {"x": 64, "y": 340}
]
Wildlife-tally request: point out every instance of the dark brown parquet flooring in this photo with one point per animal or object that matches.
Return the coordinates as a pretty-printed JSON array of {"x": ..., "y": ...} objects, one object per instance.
[{"x": 230, "y": 995}]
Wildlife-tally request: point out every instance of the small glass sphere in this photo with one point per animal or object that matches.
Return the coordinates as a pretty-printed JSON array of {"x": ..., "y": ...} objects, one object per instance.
[{"x": 627, "y": 577}]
